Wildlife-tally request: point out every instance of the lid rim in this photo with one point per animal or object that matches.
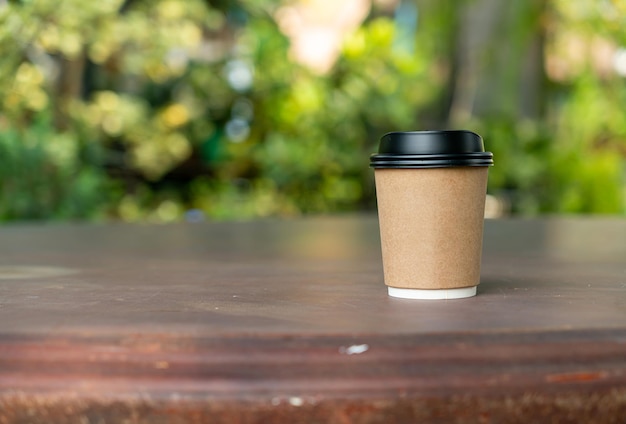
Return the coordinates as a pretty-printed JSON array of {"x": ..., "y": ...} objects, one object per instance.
[
  {"x": 426, "y": 156},
  {"x": 431, "y": 160},
  {"x": 429, "y": 165}
]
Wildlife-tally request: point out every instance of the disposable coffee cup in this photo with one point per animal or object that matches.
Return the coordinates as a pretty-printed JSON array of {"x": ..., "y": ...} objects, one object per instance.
[{"x": 431, "y": 188}]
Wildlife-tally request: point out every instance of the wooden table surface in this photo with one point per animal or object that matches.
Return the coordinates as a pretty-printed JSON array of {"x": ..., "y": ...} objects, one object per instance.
[{"x": 289, "y": 321}]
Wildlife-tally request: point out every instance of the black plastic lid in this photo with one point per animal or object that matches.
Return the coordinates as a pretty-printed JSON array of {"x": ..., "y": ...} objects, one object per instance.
[{"x": 431, "y": 149}]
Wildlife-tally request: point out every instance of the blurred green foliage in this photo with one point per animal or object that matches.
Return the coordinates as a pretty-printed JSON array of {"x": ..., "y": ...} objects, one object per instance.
[{"x": 143, "y": 110}]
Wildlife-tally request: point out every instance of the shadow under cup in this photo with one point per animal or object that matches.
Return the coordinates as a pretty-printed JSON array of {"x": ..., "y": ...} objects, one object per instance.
[{"x": 431, "y": 188}]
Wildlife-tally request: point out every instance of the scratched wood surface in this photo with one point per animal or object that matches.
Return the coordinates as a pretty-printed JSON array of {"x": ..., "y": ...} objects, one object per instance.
[{"x": 289, "y": 321}]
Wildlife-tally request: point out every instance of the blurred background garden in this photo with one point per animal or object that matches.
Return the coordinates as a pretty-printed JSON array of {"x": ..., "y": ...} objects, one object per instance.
[{"x": 167, "y": 110}]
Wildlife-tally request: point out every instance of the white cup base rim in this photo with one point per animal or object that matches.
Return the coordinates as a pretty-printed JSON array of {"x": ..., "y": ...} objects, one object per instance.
[{"x": 435, "y": 294}]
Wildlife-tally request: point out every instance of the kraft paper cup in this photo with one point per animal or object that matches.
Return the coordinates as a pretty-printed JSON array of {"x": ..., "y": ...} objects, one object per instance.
[{"x": 431, "y": 188}]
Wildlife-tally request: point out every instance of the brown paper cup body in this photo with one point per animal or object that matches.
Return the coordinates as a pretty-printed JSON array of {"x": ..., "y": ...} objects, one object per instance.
[{"x": 431, "y": 226}]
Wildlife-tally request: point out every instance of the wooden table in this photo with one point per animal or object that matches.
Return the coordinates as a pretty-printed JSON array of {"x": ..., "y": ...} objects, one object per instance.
[{"x": 289, "y": 321}]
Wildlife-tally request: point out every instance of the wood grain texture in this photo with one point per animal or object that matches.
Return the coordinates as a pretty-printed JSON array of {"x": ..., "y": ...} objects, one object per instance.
[{"x": 288, "y": 321}]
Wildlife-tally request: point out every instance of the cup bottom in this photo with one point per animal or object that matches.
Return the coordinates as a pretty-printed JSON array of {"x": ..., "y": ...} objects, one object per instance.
[{"x": 459, "y": 293}]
